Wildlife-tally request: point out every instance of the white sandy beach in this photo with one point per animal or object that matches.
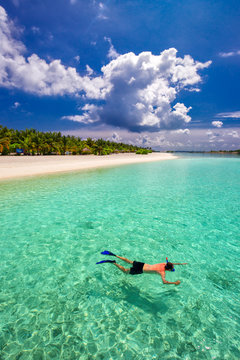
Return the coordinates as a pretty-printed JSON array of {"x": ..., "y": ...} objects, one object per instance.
[{"x": 22, "y": 166}]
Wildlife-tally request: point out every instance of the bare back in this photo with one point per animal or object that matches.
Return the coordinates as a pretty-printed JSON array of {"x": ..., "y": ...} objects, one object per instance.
[{"x": 157, "y": 268}]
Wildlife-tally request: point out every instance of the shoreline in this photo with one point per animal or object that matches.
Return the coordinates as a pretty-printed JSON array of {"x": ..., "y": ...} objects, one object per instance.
[{"x": 13, "y": 167}]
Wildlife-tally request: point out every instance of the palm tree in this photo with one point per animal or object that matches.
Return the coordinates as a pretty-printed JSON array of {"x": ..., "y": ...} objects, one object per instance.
[
  {"x": 27, "y": 144},
  {"x": 99, "y": 145},
  {"x": 37, "y": 142},
  {"x": 4, "y": 145},
  {"x": 33, "y": 141},
  {"x": 64, "y": 144},
  {"x": 90, "y": 142},
  {"x": 44, "y": 147}
]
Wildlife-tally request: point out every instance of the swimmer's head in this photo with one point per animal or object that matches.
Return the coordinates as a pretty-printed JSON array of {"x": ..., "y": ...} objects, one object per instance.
[{"x": 169, "y": 267}]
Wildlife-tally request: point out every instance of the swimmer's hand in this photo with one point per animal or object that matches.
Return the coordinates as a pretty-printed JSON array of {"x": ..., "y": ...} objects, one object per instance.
[{"x": 177, "y": 282}]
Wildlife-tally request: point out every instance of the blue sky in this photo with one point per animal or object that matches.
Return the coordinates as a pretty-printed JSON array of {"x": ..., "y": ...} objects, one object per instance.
[{"x": 163, "y": 74}]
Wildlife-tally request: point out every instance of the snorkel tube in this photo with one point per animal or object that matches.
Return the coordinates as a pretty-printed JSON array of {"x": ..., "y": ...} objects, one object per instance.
[{"x": 167, "y": 262}]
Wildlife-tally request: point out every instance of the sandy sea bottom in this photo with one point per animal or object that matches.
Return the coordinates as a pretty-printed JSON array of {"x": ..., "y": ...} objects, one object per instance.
[{"x": 55, "y": 303}]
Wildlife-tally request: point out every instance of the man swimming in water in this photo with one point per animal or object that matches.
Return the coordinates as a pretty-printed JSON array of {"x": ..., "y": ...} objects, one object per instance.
[{"x": 139, "y": 267}]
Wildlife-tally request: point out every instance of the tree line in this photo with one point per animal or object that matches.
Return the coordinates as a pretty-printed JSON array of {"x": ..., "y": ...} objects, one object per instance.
[{"x": 33, "y": 142}]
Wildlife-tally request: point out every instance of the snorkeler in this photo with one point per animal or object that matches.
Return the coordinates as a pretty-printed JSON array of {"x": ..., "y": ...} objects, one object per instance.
[{"x": 139, "y": 267}]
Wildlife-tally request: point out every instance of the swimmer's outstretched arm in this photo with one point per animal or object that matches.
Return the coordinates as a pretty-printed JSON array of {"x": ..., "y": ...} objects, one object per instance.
[
  {"x": 179, "y": 263},
  {"x": 169, "y": 282}
]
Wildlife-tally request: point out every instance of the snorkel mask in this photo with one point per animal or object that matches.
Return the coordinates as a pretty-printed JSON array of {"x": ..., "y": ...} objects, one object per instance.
[{"x": 167, "y": 262}]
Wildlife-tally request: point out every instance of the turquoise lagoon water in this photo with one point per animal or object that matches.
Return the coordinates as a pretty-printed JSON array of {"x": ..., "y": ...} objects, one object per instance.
[{"x": 55, "y": 303}]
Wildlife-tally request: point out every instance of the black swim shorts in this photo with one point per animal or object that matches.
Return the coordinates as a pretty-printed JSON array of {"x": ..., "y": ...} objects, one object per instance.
[{"x": 137, "y": 268}]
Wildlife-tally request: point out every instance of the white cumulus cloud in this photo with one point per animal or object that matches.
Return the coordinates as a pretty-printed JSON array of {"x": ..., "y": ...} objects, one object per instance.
[
  {"x": 183, "y": 131},
  {"x": 77, "y": 58},
  {"x": 233, "y": 133},
  {"x": 112, "y": 53},
  {"x": 217, "y": 124},
  {"x": 144, "y": 88},
  {"x": 214, "y": 137},
  {"x": 137, "y": 92},
  {"x": 209, "y": 133},
  {"x": 85, "y": 118},
  {"x": 89, "y": 70},
  {"x": 16, "y": 105},
  {"x": 36, "y": 75},
  {"x": 115, "y": 137},
  {"x": 79, "y": 118}
]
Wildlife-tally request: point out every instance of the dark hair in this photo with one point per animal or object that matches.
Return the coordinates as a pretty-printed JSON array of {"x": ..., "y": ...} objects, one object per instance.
[{"x": 168, "y": 266}]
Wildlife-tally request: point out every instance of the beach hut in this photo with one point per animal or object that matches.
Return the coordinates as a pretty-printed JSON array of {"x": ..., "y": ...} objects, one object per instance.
[{"x": 86, "y": 151}]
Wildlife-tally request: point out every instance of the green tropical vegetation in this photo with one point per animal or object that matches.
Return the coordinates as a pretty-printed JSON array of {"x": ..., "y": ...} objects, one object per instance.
[
  {"x": 227, "y": 151},
  {"x": 33, "y": 142}
]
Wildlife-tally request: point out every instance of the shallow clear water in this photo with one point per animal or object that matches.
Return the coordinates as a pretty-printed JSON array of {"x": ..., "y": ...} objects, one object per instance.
[{"x": 55, "y": 303}]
